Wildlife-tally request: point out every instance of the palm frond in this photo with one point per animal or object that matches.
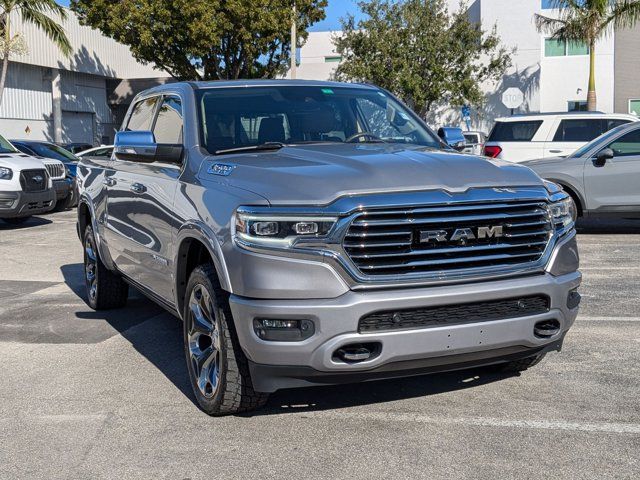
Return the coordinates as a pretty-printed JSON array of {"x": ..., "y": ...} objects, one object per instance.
[
  {"x": 624, "y": 14},
  {"x": 53, "y": 30}
]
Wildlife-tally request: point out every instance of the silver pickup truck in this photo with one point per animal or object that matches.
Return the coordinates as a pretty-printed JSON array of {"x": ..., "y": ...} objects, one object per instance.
[{"x": 315, "y": 233}]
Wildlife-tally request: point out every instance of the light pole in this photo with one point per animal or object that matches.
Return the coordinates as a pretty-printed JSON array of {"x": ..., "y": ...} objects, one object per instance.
[{"x": 294, "y": 35}]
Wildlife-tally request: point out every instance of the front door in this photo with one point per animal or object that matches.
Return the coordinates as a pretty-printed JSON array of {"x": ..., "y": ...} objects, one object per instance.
[
  {"x": 141, "y": 222},
  {"x": 615, "y": 187}
]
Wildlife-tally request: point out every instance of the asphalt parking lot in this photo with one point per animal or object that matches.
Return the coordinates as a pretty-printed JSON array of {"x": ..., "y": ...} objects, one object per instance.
[{"x": 95, "y": 395}]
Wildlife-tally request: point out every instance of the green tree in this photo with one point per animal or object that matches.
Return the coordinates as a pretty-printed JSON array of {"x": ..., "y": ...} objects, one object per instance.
[
  {"x": 205, "y": 39},
  {"x": 587, "y": 21},
  {"x": 36, "y": 12},
  {"x": 421, "y": 52}
]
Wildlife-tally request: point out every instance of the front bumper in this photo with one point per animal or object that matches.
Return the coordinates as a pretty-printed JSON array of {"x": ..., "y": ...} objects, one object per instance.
[
  {"x": 293, "y": 364},
  {"x": 23, "y": 204},
  {"x": 63, "y": 187}
]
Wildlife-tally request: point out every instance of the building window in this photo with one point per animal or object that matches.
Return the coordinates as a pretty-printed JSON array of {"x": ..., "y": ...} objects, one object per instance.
[
  {"x": 634, "y": 107},
  {"x": 562, "y": 48},
  {"x": 577, "y": 106},
  {"x": 333, "y": 59}
]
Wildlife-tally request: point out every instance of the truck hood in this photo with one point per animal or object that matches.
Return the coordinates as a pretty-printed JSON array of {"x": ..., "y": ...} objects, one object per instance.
[
  {"x": 318, "y": 174},
  {"x": 20, "y": 161}
]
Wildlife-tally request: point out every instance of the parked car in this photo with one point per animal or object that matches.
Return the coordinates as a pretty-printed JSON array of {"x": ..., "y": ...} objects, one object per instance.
[
  {"x": 453, "y": 137},
  {"x": 26, "y": 188},
  {"x": 474, "y": 142},
  {"x": 65, "y": 184},
  {"x": 76, "y": 147},
  {"x": 526, "y": 137},
  {"x": 103, "y": 152},
  {"x": 312, "y": 233},
  {"x": 603, "y": 177}
]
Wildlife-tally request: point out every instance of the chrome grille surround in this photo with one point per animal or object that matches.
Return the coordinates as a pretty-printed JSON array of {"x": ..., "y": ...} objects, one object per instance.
[
  {"x": 331, "y": 251},
  {"x": 388, "y": 242}
]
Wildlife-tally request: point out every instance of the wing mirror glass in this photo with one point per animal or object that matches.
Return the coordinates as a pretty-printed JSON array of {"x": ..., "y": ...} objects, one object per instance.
[
  {"x": 602, "y": 157},
  {"x": 141, "y": 146},
  {"x": 453, "y": 137}
]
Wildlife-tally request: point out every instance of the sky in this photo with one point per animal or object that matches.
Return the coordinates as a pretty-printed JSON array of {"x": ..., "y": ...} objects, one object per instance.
[{"x": 336, "y": 10}]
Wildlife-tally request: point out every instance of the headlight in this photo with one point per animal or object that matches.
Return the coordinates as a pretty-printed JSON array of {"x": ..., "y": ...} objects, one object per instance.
[
  {"x": 6, "y": 173},
  {"x": 280, "y": 231},
  {"x": 564, "y": 213}
]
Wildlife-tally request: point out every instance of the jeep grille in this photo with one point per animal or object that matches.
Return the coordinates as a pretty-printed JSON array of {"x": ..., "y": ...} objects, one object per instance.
[
  {"x": 400, "y": 241},
  {"x": 56, "y": 170}
]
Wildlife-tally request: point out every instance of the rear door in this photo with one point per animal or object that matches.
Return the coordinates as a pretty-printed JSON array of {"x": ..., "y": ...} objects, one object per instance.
[
  {"x": 141, "y": 222},
  {"x": 515, "y": 140},
  {"x": 615, "y": 187},
  {"x": 569, "y": 134}
]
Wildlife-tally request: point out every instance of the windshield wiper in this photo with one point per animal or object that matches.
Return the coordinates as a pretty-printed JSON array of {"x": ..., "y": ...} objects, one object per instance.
[{"x": 249, "y": 148}]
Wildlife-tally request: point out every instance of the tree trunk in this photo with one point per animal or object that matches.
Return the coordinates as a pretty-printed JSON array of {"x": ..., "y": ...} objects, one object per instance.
[
  {"x": 591, "y": 93},
  {"x": 5, "y": 53}
]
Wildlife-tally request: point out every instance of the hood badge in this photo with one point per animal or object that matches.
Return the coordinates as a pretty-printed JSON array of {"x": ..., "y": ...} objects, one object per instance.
[{"x": 222, "y": 169}]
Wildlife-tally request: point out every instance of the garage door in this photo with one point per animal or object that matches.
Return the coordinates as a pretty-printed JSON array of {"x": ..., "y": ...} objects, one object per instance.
[{"x": 78, "y": 127}]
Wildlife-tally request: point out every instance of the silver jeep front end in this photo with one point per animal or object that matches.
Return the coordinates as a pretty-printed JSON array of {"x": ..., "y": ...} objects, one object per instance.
[{"x": 402, "y": 283}]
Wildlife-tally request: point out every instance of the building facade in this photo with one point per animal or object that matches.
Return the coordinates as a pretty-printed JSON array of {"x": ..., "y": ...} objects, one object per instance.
[
  {"x": 552, "y": 75},
  {"x": 81, "y": 98}
]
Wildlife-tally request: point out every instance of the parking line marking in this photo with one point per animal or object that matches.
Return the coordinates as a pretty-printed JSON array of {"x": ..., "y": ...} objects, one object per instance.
[
  {"x": 604, "y": 427},
  {"x": 608, "y": 319}
]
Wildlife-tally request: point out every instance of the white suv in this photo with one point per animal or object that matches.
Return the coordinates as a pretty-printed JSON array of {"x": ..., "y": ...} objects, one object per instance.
[
  {"x": 525, "y": 137},
  {"x": 26, "y": 186}
]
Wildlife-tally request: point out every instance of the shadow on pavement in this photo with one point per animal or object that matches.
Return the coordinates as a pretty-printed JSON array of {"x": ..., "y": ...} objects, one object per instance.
[
  {"x": 31, "y": 222},
  {"x": 160, "y": 342},
  {"x": 614, "y": 226}
]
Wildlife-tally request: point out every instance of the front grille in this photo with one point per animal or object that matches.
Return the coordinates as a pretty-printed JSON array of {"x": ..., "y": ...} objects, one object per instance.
[
  {"x": 33, "y": 180},
  {"x": 454, "y": 314},
  {"x": 56, "y": 170},
  {"x": 444, "y": 239}
]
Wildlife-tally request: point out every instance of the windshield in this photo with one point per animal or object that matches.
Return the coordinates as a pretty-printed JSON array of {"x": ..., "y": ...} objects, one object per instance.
[
  {"x": 49, "y": 150},
  {"x": 598, "y": 142},
  {"x": 250, "y": 116},
  {"x": 6, "y": 147}
]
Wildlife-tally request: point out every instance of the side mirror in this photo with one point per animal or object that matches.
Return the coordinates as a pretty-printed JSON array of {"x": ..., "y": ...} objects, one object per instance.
[
  {"x": 602, "y": 157},
  {"x": 141, "y": 146}
]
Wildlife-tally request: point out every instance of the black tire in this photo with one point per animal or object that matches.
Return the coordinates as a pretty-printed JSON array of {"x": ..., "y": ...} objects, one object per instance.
[
  {"x": 105, "y": 289},
  {"x": 218, "y": 369},
  {"x": 521, "y": 365},
  {"x": 17, "y": 220}
]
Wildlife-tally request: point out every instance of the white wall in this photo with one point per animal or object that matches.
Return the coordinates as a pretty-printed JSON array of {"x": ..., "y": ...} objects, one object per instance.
[{"x": 312, "y": 57}]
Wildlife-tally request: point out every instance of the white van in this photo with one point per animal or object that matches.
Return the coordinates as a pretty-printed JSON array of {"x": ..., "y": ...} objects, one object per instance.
[{"x": 525, "y": 137}]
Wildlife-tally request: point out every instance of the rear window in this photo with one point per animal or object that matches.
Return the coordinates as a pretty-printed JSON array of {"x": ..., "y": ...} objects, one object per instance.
[{"x": 514, "y": 131}]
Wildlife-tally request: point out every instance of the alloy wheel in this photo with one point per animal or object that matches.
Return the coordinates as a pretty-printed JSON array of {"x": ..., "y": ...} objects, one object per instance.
[{"x": 203, "y": 337}]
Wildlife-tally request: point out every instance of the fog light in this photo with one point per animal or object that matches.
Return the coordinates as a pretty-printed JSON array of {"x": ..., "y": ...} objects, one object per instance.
[{"x": 279, "y": 330}]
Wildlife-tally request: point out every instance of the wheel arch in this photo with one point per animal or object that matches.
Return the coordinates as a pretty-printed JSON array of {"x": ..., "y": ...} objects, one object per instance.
[{"x": 195, "y": 245}]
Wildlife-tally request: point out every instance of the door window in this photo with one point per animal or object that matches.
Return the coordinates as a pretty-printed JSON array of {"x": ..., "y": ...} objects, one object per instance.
[
  {"x": 142, "y": 115},
  {"x": 627, "y": 145},
  {"x": 578, "y": 130},
  {"x": 168, "y": 127}
]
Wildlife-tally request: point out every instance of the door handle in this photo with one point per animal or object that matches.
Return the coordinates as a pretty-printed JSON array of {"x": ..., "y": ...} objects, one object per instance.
[
  {"x": 138, "y": 188},
  {"x": 555, "y": 151},
  {"x": 109, "y": 182}
]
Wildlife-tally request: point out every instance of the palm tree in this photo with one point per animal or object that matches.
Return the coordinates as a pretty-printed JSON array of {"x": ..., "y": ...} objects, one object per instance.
[
  {"x": 587, "y": 21},
  {"x": 37, "y": 13}
]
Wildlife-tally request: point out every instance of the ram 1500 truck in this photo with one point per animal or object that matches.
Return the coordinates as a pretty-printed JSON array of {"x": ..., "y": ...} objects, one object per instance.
[{"x": 317, "y": 233}]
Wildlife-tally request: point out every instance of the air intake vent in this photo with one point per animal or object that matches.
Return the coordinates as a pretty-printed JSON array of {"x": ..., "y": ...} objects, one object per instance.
[
  {"x": 454, "y": 314},
  {"x": 448, "y": 238}
]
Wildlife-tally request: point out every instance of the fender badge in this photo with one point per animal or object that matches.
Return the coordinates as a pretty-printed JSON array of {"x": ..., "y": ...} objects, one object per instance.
[{"x": 222, "y": 169}]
